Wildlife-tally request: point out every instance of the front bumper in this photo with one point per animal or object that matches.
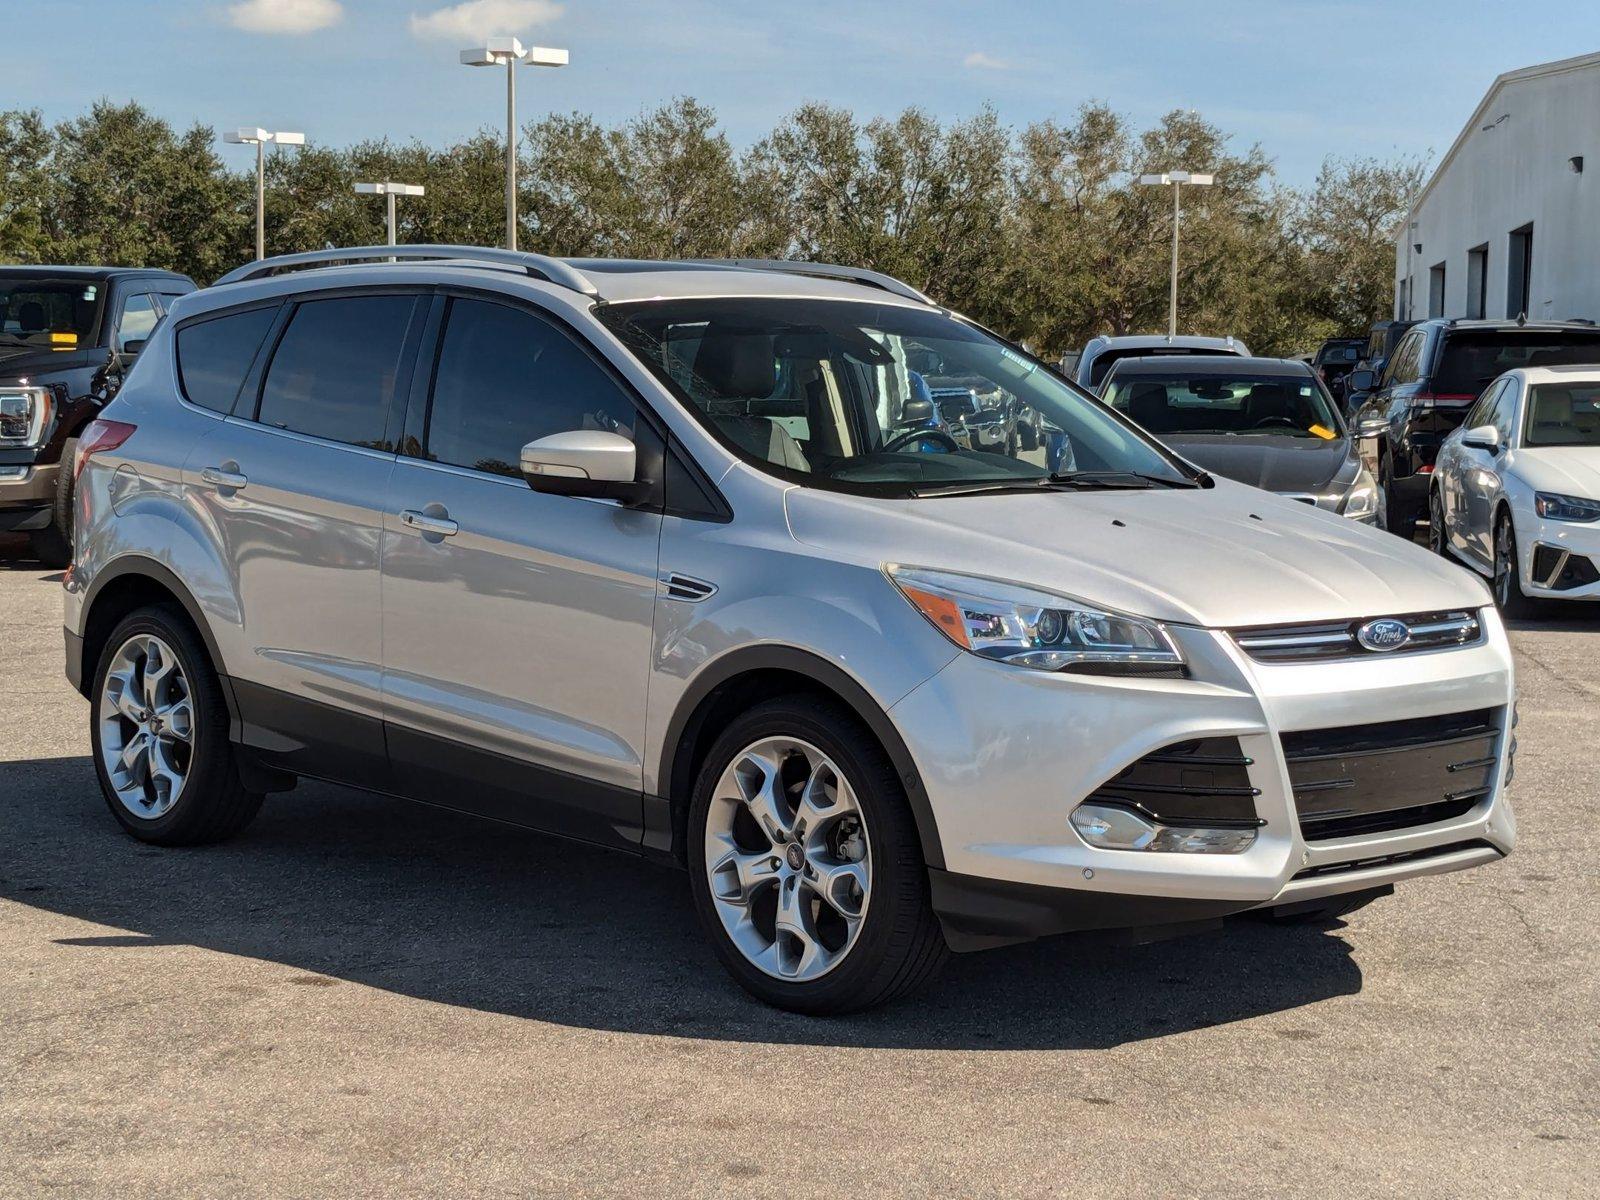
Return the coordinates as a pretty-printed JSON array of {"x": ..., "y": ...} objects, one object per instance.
[
  {"x": 27, "y": 497},
  {"x": 1568, "y": 568},
  {"x": 1006, "y": 754}
]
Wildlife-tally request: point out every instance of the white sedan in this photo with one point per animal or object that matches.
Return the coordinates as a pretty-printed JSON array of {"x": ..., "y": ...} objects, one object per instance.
[{"x": 1516, "y": 489}]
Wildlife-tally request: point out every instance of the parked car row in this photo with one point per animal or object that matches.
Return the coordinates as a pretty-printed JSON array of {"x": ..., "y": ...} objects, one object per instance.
[{"x": 898, "y": 641}]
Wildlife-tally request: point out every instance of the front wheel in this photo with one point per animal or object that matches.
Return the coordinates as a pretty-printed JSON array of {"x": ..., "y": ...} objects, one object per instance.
[
  {"x": 1508, "y": 594},
  {"x": 159, "y": 730},
  {"x": 1436, "y": 534},
  {"x": 805, "y": 862}
]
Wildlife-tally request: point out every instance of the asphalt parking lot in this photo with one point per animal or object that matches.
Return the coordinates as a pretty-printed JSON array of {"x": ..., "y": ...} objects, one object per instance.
[{"x": 364, "y": 997}]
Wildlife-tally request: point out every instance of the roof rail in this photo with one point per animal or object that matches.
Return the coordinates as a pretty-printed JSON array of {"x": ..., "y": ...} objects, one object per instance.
[
  {"x": 540, "y": 266},
  {"x": 859, "y": 275}
]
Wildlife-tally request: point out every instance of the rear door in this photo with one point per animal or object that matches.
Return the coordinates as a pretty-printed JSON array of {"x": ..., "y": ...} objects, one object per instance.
[
  {"x": 293, "y": 483},
  {"x": 516, "y": 625}
]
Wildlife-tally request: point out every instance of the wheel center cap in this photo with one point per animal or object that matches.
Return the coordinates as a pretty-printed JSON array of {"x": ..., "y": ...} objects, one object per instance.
[{"x": 796, "y": 856}]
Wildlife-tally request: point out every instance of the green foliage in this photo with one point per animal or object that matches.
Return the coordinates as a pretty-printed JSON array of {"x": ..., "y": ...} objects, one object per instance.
[{"x": 1043, "y": 232}]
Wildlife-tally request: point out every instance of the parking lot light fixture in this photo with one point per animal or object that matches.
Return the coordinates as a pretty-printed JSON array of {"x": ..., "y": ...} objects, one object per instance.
[
  {"x": 252, "y": 136},
  {"x": 507, "y": 52},
  {"x": 389, "y": 191},
  {"x": 1175, "y": 180}
]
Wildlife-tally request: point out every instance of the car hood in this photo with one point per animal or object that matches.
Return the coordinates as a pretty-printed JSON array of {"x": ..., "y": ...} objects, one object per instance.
[
  {"x": 1271, "y": 461},
  {"x": 17, "y": 362},
  {"x": 1569, "y": 470},
  {"x": 1222, "y": 556}
]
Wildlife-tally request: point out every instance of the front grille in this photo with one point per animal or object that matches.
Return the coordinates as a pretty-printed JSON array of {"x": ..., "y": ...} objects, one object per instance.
[
  {"x": 1360, "y": 779},
  {"x": 1338, "y": 639},
  {"x": 1392, "y": 860},
  {"x": 1201, "y": 782}
]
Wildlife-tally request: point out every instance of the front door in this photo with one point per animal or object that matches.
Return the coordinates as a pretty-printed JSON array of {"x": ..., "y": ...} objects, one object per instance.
[{"x": 516, "y": 625}]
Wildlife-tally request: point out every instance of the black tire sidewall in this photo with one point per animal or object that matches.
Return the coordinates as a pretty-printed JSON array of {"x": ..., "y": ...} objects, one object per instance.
[
  {"x": 211, "y": 769},
  {"x": 899, "y": 879}
]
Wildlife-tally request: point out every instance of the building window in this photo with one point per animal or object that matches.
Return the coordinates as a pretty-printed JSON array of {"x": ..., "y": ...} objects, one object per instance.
[
  {"x": 1519, "y": 271},
  {"x": 1436, "y": 290},
  {"x": 1478, "y": 281}
]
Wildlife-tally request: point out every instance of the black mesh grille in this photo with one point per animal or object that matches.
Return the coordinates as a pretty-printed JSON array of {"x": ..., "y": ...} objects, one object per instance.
[{"x": 1359, "y": 779}]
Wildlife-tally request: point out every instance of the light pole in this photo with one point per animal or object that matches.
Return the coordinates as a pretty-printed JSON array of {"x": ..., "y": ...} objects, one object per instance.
[
  {"x": 389, "y": 191},
  {"x": 1175, "y": 179},
  {"x": 508, "y": 51},
  {"x": 259, "y": 139}
]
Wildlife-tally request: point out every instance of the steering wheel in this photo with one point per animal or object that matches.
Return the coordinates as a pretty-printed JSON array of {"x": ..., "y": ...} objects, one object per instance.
[
  {"x": 914, "y": 435},
  {"x": 1265, "y": 421}
]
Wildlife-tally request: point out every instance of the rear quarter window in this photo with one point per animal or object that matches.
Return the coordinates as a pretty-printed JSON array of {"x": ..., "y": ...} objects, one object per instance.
[{"x": 214, "y": 356}]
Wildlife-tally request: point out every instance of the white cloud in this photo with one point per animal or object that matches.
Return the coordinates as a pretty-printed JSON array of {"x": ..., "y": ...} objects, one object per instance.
[
  {"x": 479, "y": 19},
  {"x": 980, "y": 61},
  {"x": 285, "y": 16}
]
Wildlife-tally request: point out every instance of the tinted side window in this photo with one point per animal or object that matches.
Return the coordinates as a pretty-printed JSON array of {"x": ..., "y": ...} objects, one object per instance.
[
  {"x": 214, "y": 356},
  {"x": 505, "y": 377},
  {"x": 1478, "y": 414},
  {"x": 138, "y": 318},
  {"x": 1505, "y": 407},
  {"x": 335, "y": 370}
]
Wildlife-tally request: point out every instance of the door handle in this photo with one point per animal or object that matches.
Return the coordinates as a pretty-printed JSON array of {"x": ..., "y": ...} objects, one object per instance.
[
  {"x": 219, "y": 478},
  {"x": 426, "y": 523}
]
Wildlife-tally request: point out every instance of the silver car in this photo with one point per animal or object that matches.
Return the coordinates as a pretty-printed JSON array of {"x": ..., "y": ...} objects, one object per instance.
[{"x": 670, "y": 557}]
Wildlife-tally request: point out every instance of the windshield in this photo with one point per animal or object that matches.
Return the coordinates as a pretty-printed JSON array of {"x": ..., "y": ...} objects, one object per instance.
[
  {"x": 48, "y": 314},
  {"x": 1561, "y": 414},
  {"x": 1284, "y": 406},
  {"x": 880, "y": 399},
  {"x": 1472, "y": 359}
]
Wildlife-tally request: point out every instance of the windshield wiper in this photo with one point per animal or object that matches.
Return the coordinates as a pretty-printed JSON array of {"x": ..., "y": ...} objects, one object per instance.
[
  {"x": 1120, "y": 479},
  {"x": 969, "y": 487}
]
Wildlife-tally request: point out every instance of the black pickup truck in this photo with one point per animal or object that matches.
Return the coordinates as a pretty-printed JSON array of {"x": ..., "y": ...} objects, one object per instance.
[{"x": 67, "y": 336}]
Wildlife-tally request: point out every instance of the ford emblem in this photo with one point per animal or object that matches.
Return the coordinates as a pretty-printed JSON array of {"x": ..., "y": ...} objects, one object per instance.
[{"x": 1384, "y": 634}]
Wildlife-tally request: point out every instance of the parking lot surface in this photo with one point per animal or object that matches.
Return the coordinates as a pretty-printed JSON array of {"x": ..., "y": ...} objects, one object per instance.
[{"x": 360, "y": 996}]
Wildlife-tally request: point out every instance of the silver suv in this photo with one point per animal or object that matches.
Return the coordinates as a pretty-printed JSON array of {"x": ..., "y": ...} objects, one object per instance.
[{"x": 680, "y": 558}]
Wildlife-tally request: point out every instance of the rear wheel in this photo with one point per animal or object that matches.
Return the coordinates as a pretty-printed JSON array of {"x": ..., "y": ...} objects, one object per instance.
[
  {"x": 805, "y": 863},
  {"x": 159, "y": 730},
  {"x": 1508, "y": 593}
]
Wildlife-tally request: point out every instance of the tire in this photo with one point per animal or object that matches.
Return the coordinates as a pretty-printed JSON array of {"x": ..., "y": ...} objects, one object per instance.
[
  {"x": 210, "y": 803},
  {"x": 895, "y": 945},
  {"x": 1399, "y": 516},
  {"x": 1509, "y": 598},
  {"x": 1437, "y": 541},
  {"x": 52, "y": 545}
]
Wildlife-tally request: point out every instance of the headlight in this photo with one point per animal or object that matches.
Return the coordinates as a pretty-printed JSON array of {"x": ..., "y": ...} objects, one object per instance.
[
  {"x": 1030, "y": 628},
  {"x": 1565, "y": 508},
  {"x": 24, "y": 415},
  {"x": 1361, "y": 501}
]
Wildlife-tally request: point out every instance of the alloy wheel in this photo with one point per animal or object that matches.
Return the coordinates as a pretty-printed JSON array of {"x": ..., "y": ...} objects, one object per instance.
[
  {"x": 1435, "y": 524},
  {"x": 146, "y": 716},
  {"x": 787, "y": 859},
  {"x": 1505, "y": 565}
]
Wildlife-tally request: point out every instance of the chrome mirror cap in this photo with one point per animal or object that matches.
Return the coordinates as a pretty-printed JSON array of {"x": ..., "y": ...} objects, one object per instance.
[{"x": 597, "y": 455}]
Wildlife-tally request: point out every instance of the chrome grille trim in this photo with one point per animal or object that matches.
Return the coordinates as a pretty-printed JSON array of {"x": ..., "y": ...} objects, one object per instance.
[{"x": 1337, "y": 639}]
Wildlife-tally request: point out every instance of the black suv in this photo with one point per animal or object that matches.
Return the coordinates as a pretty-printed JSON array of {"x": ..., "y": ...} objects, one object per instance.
[
  {"x": 67, "y": 334},
  {"x": 1435, "y": 373}
]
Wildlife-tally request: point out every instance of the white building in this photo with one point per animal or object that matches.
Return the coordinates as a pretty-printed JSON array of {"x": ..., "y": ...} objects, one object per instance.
[{"x": 1510, "y": 222}]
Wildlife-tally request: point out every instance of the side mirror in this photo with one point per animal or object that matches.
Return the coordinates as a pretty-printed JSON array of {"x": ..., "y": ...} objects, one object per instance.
[
  {"x": 1482, "y": 437},
  {"x": 1361, "y": 381},
  {"x": 132, "y": 347},
  {"x": 584, "y": 462},
  {"x": 1372, "y": 425},
  {"x": 916, "y": 412}
]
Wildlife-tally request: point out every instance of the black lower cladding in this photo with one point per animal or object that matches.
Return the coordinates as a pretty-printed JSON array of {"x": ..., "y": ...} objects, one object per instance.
[
  {"x": 303, "y": 737},
  {"x": 1205, "y": 782},
  {"x": 1359, "y": 779},
  {"x": 977, "y": 913}
]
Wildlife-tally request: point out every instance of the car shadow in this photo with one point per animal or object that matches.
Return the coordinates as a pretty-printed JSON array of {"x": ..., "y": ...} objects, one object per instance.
[{"x": 343, "y": 886}]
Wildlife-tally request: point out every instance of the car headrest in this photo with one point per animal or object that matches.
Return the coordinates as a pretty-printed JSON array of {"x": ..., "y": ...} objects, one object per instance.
[
  {"x": 30, "y": 317},
  {"x": 1552, "y": 406},
  {"x": 735, "y": 363},
  {"x": 1147, "y": 403}
]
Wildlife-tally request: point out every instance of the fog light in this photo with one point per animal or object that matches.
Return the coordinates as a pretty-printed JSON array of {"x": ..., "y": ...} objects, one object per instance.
[{"x": 1108, "y": 827}]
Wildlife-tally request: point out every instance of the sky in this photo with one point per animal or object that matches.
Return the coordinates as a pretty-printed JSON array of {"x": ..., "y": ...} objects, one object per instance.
[{"x": 1305, "y": 80}]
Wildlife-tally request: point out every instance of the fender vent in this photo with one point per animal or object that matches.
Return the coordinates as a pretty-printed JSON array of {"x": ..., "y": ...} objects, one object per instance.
[{"x": 686, "y": 587}]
